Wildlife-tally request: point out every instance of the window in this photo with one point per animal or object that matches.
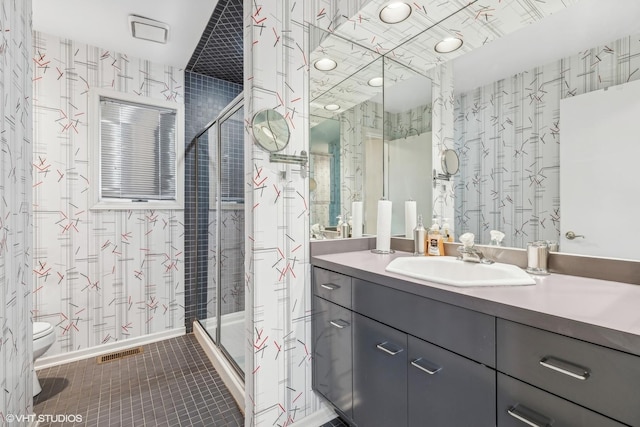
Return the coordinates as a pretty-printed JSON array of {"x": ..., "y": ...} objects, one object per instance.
[{"x": 135, "y": 160}]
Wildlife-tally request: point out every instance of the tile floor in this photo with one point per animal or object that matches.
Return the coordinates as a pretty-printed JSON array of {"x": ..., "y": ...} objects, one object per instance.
[{"x": 172, "y": 383}]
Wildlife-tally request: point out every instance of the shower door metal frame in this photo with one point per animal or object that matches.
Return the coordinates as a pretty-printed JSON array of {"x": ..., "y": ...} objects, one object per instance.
[{"x": 226, "y": 113}]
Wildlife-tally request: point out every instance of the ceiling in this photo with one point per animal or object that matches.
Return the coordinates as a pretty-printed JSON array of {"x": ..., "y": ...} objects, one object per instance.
[
  {"x": 500, "y": 39},
  {"x": 582, "y": 26},
  {"x": 205, "y": 37}
]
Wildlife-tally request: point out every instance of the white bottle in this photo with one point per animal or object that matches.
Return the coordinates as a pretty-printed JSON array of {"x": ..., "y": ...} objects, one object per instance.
[{"x": 447, "y": 231}]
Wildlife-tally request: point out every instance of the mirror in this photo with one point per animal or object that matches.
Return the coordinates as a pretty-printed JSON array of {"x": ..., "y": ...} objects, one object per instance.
[
  {"x": 507, "y": 128},
  {"x": 450, "y": 162},
  {"x": 270, "y": 130},
  {"x": 366, "y": 132}
]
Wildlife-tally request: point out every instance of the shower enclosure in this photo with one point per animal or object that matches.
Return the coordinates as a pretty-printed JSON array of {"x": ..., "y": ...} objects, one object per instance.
[{"x": 220, "y": 237}]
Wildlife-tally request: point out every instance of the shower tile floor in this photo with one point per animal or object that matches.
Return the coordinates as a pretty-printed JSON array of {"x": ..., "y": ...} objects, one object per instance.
[{"x": 172, "y": 383}]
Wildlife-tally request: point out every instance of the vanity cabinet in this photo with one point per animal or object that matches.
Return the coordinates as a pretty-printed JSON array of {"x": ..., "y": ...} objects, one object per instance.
[
  {"x": 595, "y": 377},
  {"x": 398, "y": 377},
  {"x": 332, "y": 356},
  {"x": 445, "y": 389},
  {"x": 413, "y": 360},
  {"x": 379, "y": 374},
  {"x": 520, "y": 405},
  {"x": 332, "y": 339}
]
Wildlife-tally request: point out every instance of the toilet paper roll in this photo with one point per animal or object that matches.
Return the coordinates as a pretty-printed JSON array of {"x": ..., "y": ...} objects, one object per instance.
[
  {"x": 356, "y": 219},
  {"x": 383, "y": 229},
  {"x": 410, "y": 218}
]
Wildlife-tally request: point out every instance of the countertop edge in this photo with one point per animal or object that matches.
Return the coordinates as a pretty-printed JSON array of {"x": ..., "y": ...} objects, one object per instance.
[{"x": 597, "y": 334}]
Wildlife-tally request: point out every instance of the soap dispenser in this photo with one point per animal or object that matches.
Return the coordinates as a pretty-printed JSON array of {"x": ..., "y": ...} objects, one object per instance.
[{"x": 435, "y": 247}]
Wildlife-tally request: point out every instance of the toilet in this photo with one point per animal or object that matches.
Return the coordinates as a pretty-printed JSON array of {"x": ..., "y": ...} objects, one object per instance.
[{"x": 43, "y": 337}]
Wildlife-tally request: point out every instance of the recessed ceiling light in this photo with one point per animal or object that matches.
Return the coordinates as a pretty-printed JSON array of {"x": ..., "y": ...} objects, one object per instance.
[
  {"x": 394, "y": 12},
  {"x": 376, "y": 82},
  {"x": 448, "y": 45},
  {"x": 148, "y": 29},
  {"x": 325, "y": 64},
  {"x": 332, "y": 107}
]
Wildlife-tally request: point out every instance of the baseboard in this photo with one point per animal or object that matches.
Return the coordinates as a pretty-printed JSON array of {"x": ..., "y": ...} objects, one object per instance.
[
  {"x": 318, "y": 418},
  {"x": 229, "y": 377},
  {"x": 73, "y": 356}
]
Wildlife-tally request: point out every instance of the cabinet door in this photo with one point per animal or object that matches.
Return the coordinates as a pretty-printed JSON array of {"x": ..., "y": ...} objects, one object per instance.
[
  {"x": 332, "y": 354},
  {"x": 446, "y": 389},
  {"x": 379, "y": 374}
]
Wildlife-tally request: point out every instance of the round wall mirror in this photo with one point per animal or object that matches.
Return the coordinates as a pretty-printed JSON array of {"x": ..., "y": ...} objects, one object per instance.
[
  {"x": 270, "y": 130},
  {"x": 450, "y": 162}
]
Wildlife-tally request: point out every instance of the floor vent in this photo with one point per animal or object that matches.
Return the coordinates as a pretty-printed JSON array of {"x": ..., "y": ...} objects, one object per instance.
[{"x": 119, "y": 355}]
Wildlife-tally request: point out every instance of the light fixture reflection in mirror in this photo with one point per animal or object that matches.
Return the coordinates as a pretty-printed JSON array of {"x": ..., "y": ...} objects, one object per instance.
[
  {"x": 270, "y": 130},
  {"x": 376, "y": 82},
  {"x": 325, "y": 64},
  {"x": 448, "y": 45},
  {"x": 395, "y": 12}
]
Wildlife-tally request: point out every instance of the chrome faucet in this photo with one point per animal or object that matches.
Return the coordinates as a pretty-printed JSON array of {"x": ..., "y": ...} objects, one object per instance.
[
  {"x": 472, "y": 254},
  {"x": 468, "y": 251}
]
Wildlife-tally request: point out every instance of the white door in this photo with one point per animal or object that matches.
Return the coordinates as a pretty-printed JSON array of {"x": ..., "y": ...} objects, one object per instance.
[{"x": 600, "y": 172}]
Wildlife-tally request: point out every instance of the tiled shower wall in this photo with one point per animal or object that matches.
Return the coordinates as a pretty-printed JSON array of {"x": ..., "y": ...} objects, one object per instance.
[
  {"x": 508, "y": 135},
  {"x": 205, "y": 97},
  {"x": 16, "y": 246},
  {"x": 108, "y": 275}
]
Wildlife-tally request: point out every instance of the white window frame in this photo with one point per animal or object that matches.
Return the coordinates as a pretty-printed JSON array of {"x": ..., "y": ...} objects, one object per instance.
[{"x": 97, "y": 202}]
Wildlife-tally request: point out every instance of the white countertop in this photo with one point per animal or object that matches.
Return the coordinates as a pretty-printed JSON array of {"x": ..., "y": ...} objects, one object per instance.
[{"x": 599, "y": 311}]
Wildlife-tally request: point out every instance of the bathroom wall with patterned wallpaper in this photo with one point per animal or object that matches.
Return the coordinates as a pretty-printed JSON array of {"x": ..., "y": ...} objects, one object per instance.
[
  {"x": 16, "y": 246},
  {"x": 277, "y": 272},
  {"x": 508, "y": 135},
  {"x": 108, "y": 275}
]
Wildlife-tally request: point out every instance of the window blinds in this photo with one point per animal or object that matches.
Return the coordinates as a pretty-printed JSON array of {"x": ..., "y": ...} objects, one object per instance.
[{"x": 137, "y": 151}]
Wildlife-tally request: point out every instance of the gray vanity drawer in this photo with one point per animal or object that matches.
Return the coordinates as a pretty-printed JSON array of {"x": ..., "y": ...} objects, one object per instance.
[
  {"x": 599, "y": 378},
  {"x": 519, "y": 402},
  {"x": 332, "y": 286},
  {"x": 462, "y": 331}
]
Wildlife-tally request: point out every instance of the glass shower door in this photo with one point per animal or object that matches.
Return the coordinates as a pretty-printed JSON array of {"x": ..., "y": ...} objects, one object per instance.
[{"x": 230, "y": 232}]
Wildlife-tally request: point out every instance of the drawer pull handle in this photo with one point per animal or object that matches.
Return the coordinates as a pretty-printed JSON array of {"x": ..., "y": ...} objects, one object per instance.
[
  {"x": 425, "y": 366},
  {"x": 528, "y": 417},
  {"x": 389, "y": 348},
  {"x": 329, "y": 286},
  {"x": 566, "y": 368},
  {"x": 340, "y": 324}
]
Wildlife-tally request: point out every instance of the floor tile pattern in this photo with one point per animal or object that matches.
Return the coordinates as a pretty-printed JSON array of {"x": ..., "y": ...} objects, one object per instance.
[{"x": 172, "y": 383}]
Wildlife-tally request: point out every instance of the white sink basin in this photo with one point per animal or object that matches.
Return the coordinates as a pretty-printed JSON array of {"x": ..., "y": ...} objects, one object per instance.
[{"x": 451, "y": 271}]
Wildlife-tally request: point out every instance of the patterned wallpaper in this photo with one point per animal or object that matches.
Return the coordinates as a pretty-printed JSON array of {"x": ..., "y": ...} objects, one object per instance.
[
  {"x": 277, "y": 272},
  {"x": 16, "y": 246},
  {"x": 100, "y": 276},
  {"x": 508, "y": 135}
]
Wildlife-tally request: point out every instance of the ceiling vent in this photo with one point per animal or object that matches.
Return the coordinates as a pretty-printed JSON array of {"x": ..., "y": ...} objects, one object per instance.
[{"x": 148, "y": 29}]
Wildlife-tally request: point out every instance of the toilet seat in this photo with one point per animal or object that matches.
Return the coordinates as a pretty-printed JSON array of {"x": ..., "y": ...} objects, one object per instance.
[{"x": 41, "y": 329}]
